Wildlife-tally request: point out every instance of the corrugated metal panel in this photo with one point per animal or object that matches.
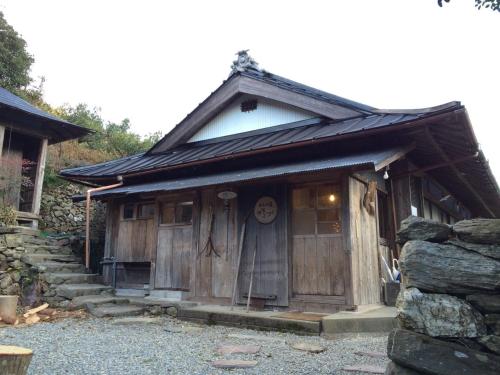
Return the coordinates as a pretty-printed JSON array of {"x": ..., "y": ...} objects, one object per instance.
[
  {"x": 369, "y": 159},
  {"x": 215, "y": 148},
  {"x": 233, "y": 121}
]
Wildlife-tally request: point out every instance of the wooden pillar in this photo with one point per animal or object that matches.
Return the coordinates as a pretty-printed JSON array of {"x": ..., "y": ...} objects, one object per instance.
[{"x": 40, "y": 171}]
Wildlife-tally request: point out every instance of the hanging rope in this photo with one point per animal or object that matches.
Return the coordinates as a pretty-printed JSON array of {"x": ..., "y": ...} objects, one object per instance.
[{"x": 209, "y": 247}]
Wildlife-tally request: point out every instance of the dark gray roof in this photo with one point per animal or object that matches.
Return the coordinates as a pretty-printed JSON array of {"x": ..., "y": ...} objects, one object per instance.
[
  {"x": 288, "y": 134},
  {"x": 300, "y": 88},
  {"x": 368, "y": 159},
  {"x": 58, "y": 129}
]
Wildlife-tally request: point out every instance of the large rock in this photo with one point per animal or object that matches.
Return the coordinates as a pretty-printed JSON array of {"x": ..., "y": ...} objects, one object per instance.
[
  {"x": 395, "y": 369},
  {"x": 492, "y": 251},
  {"x": 438, "y": 315},
  {"x": 417, "y": 228},
  {"x": 491, "y": 342},
  {"x": 485, "y": 231},
  {"x": 436, "y": 357},
  {"x": 485, "y": 303},
  {"x": 441, "y": 268},
  {"x": 493, "y": 323}
]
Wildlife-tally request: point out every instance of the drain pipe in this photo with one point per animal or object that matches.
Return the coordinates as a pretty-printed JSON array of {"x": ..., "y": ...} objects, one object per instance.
[{"x": 87, "y": 223}]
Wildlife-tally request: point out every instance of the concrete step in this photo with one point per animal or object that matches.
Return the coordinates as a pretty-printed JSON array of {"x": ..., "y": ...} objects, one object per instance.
[
  {"x": 96, "y": 300},
  {"x": 69, "y": 278},
  {"x": 114, "y": 310},
  {"x": 71, "y": 291},
  {"x": 58, "y": 267},
  {"x": 36, "y": 258}
]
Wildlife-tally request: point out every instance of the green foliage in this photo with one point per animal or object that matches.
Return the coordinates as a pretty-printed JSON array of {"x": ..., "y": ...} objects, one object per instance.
[
  {"x": 15, "y": 61},
  {"x": 491, "y": 4}
]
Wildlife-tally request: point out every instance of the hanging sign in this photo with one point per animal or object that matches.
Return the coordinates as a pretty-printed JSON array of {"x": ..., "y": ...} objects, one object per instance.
[{"x": 266, "y": 210}]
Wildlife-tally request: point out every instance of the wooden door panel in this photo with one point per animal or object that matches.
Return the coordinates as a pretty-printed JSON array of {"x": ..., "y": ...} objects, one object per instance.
[{"x": 164, "y": 258}]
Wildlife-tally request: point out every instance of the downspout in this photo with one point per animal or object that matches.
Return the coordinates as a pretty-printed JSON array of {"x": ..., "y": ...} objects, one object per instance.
[{"x": 87, "y": 223}]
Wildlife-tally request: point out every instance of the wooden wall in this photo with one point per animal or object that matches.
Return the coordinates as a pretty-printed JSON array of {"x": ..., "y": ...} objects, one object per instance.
[
  {"x": 135, "y": 242},
  {"x": 214, "y": 274},
  {"x": 364, "y": 247}
]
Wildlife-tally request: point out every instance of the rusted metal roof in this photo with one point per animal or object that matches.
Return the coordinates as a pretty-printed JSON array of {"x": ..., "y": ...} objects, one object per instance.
[
  {"x": 289, "y": 134},
  {"x": 367, "y": 159},
  {"x": 57, "y": 129}
]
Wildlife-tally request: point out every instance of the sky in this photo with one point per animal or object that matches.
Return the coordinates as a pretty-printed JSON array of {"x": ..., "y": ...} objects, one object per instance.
[{"x": 154, "y": 61}]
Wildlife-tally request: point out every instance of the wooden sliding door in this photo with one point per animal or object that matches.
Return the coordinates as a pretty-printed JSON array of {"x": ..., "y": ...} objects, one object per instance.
[
  {"x": 317, "y": 247},
  {"x": 175, "y": 238}
]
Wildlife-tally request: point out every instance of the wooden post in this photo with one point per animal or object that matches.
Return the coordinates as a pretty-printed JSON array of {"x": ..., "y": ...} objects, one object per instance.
[
  {"x": 40, "y": 171},
  {"x": 14, "y": 360},
  {"x": 2, "y": 134},
  {"x": 251, "y": 276}
]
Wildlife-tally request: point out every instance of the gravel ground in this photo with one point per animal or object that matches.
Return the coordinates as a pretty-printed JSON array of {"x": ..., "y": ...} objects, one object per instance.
[{"x": 98, "y": 346}]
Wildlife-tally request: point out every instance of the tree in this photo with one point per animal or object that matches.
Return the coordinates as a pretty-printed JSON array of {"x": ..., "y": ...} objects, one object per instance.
[
  {"x": 15, "y": 61},
  {"x": 492, "y": 4}
]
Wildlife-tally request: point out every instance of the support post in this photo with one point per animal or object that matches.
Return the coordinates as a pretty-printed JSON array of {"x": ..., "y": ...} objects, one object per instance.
[{"x": 40, "y": 172}]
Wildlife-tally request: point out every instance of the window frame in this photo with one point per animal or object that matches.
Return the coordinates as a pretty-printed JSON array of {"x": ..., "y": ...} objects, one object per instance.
[
  {"x": 176, "y": 203},
  {"x": 337, "y": 189},
  {"x": 136, "y": 215}
]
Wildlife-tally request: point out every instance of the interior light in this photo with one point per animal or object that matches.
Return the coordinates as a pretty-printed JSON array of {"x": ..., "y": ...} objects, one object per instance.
[
  {"x": 386, "y": 175},
  {"x": 331, "y": 197}
]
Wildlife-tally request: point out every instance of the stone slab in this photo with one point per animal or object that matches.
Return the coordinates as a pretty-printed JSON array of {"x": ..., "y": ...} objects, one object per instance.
[
  {"x": 71, "y": 291},
  {"x": 80, "y": 302},
  {"x": 233, "y": 363},
  {"x": 306, "y": 347},
  {"x": 136, "y": 321},
  {"x": 368, "y": 369},
  {"x": 382, "y": 319},
  {"x": 69, "y": 278},
  {"x": 114, "y": 310}
]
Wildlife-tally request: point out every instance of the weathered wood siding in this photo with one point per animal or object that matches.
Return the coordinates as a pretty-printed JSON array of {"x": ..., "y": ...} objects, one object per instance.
[
  {"x": 364, "y": 247},
  {"x": 214, "y": 274},
  {"x": 271, "y": 263},
  {"x": 111, "y": 235},
  {"x": 135, "y": 242}
]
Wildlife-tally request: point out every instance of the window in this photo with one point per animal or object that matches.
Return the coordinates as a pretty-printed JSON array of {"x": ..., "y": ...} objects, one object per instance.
[
  {"x": 316, "y": 210},
  {"x": 128, "y": 210},
  {"x": 146, "y": 210},
  {"x": 176, "y": 213}
]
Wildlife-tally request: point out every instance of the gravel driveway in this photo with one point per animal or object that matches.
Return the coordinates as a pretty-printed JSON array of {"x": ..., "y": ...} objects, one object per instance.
[{"x": 100, "y": 346}]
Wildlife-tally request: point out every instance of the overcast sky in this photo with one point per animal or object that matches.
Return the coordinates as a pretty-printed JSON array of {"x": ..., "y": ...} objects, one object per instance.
[{"x": 154, "y": 61}]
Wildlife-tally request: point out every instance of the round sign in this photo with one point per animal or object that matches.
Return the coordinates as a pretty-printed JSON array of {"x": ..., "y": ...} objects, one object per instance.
[{"x": 266, "y": 210}]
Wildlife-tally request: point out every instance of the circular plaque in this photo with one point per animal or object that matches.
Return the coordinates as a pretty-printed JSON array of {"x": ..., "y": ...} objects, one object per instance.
[{"x": 266, "y": 210}]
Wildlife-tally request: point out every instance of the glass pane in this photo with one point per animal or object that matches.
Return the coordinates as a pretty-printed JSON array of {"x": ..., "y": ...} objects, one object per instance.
[
  {"x": 329, "y": 228},
  {"x": 304, "y": 222},
  {"x": 128, "y": 211},
  {"x": 303, "y": 198},
  {"x": 146, "y": 211},
  {"x": 184, "y": 212},
  {"x": 329, "y": 215},
  {"x": 167, "y": 213},
  {"x": 328, "y": 196}
]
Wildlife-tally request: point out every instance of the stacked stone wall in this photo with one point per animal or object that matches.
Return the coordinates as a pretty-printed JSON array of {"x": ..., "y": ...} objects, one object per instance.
[{"x": 449, "y": 304}]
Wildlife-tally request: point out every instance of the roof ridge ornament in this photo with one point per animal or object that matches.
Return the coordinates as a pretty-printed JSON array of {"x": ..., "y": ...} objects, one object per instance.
[{"x": 244, "y": 62}]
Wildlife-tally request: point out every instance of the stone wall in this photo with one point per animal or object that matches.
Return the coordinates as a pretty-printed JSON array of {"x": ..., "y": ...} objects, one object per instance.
[
  {"x": 61, "y": 215},
  {"x": 449, "y": 305}
]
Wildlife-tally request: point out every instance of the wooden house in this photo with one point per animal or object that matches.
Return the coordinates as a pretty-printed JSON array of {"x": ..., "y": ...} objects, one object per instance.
[
  {"x": 25, "y": 133},
  {"x": 306, "y": 186}
]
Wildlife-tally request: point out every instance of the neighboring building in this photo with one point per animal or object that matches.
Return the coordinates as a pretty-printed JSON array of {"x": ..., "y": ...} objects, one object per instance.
[
  {"x": 320, "y": 181},
  {"x": 25, "y": 133}
]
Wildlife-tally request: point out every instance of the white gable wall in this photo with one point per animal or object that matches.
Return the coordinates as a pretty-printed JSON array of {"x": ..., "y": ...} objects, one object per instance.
[{"x": 232, "y": 121}]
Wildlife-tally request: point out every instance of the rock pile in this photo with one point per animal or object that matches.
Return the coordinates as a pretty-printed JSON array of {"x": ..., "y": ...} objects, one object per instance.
[
  {"x": 60, "y": 214},
  {"x": 449, "y": 305}
]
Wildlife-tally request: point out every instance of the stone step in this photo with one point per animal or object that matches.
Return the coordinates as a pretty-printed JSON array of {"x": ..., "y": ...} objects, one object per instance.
[
  {"x": 114, "y": 310},
  {"x": 69, "y": 278},
  {"x": 54, "y": 267},
  {"x": 45, "y": 249},
  {"x": 71, "y": 291},
  {"x": 96, "y": 300},
  {"x": 36, "y": 258}
]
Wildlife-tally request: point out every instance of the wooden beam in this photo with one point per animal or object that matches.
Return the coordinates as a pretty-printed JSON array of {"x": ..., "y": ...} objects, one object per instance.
[
  {"x": 445, "y": 158},
  {"x": 2, "y": 134},
  {"x": 40, "y": 172},
  {"x": 391, "y": 159}
]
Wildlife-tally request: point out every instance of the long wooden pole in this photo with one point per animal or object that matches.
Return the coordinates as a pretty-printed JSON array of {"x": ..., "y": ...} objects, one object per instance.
[
  {"x": 251, "y": 276},
  {"x": 240, "y": 250}
]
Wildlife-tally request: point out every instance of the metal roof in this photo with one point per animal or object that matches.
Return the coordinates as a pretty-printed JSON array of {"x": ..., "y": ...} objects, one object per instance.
[
  {"x": 369, "y": 159},
  {"x": 232, "y": 145},
  {"x": 58, "y": 129}
]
